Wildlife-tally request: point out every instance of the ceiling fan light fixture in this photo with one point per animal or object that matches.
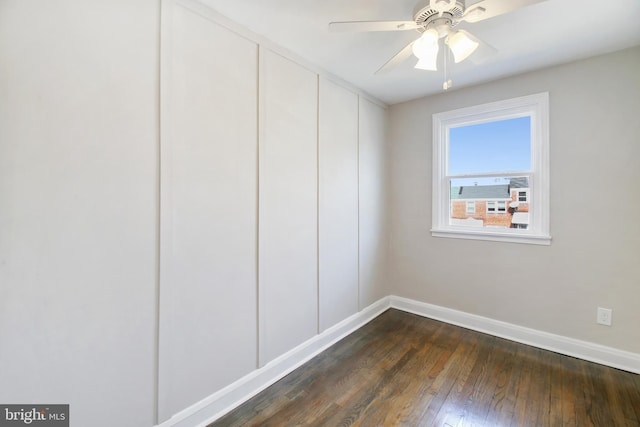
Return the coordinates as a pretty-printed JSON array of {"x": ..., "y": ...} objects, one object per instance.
[
  {"x": 426, "y": 50},
  {"x": 461, "y": 45},
  {"x": 427, "y": 40},
  {"x": 429, "y": 64}
]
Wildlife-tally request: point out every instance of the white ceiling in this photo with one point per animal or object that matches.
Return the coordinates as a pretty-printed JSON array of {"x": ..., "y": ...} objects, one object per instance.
[{"x": 537, "y": 36}]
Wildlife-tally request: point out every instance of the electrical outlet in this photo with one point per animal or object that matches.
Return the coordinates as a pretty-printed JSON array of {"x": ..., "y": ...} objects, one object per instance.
[{"x": 604, "y": 316}]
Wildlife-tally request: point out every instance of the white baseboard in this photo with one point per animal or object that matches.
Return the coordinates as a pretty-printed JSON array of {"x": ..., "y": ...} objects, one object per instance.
[
  {"x": 557, "y": 343},
  {"x": 223, "y": 401},
  {"x": 209, "y": 409}
]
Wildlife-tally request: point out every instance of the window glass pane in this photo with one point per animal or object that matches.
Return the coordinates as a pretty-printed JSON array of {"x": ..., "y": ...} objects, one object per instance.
[
  {"x": 503, "y": 145},
  {"x": 496, "y": 202}
]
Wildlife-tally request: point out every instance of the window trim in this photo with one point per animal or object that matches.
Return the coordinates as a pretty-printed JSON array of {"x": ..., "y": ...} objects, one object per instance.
[{"x": 535, "y": 106}]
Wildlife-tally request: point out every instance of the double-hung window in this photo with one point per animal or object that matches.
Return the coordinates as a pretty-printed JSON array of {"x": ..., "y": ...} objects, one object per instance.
[{"x": 494, "y": 157}]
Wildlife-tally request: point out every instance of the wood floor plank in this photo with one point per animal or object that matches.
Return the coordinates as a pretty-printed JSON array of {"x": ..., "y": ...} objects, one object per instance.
[
  {"x": 535, "y": 413},
  {"x": 555, "y": 391},
  {"x": 401, "y": 395},
  {"x": 569, "y": 386},
  {"x": 522, "y": 389},
  {"x": 613, "y": 397},
  {"x": 455, "y": 400},
  {"x": 443, "y": 391},
  {"x": 593, "y": 399},
  {"x": 468, "y": 393},
  {"x": 503, "y": 367},
  {"x": 435, "y": 373},
  {"x": 405, "y": 370},
  {"x": 630, "y": 389}
]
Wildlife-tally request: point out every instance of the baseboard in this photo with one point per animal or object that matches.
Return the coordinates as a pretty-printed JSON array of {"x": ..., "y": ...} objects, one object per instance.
[
  {"x": 223, "y": 401},
  {"x": 557, "y": 343}
]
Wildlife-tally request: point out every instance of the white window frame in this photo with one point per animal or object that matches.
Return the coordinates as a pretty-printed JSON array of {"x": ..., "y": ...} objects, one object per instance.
[{"x": 537, "y": 108}]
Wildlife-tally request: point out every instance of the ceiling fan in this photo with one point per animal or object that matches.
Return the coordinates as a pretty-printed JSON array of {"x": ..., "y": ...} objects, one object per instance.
[{"x": 435, "y": 20}]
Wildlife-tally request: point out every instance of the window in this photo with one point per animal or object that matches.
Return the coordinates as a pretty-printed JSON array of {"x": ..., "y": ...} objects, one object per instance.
[
  {"x": 495, "y": 156},
  {"x": 522, "y": 196},
  {"x": 471, "y": 207},
  {"x": 496, "y": 207}
]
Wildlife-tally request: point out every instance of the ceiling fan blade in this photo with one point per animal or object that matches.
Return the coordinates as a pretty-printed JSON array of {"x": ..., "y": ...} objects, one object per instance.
[
  {"x": 483, "y": 52},
  {"x": 486, "y": 9},
  {"x": 363, "y": 26},
  {"x": 399, "y": 58}
]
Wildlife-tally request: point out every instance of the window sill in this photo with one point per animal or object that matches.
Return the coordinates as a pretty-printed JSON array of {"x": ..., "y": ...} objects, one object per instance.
[{"x": 493, "y": 236}]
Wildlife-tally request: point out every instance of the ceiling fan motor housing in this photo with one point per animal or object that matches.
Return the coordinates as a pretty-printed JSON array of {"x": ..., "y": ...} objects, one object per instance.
[{"x": 438, "y": 14}]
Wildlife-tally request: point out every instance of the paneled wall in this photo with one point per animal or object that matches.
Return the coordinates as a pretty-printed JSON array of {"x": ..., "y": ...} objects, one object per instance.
[
  {"x": 267, "y": 203},
  {"x": 179, "y": 205}
]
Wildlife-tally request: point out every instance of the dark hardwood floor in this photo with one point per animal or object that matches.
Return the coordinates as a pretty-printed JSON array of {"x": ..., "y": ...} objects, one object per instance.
[{"x": 406, "y": 370}]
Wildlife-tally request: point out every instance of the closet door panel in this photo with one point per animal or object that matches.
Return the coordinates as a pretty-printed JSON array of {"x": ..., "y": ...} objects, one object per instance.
[
  {"x": 208, "y": 289},
  {"x": 338, "y": 203},
  {"x": 288, "y": 258}
]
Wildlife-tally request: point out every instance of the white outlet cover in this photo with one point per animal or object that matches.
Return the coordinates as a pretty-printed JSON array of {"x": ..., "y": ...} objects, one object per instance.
[{"x": 604, "y": 316}]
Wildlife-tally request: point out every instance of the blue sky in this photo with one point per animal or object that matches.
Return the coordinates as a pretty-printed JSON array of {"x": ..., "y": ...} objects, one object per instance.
[{"x": 499, "y": 146}]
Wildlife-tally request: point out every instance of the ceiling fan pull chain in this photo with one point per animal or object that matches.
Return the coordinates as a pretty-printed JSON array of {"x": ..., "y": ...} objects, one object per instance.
[{"x": 447, "y": 81}]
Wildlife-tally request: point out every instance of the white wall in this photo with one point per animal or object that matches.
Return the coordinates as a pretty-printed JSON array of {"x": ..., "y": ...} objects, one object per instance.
[
  {"x": 208, "y": 286},
  {"x": 592, "y": 260},
  {"x": 373, "y": 202},
  {"x": 78, "y": 197}
]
